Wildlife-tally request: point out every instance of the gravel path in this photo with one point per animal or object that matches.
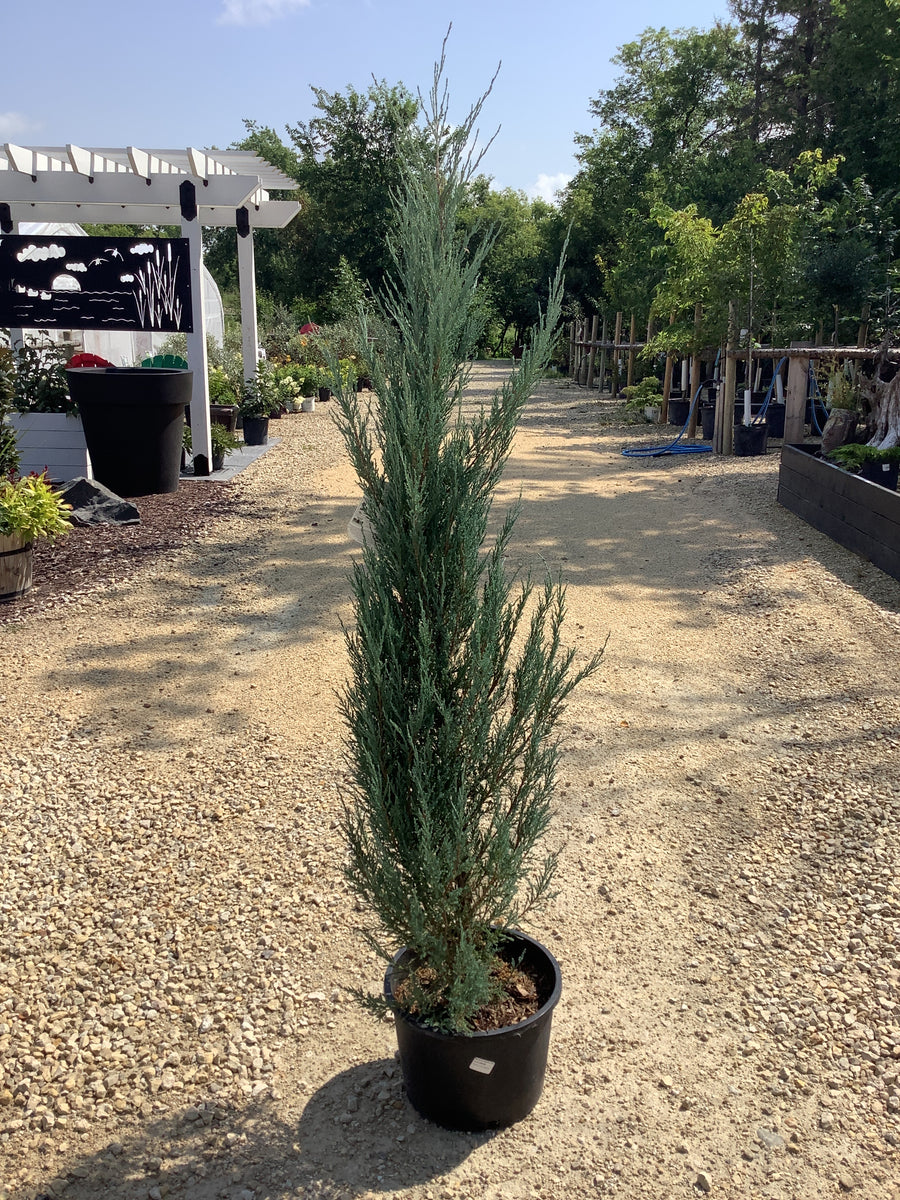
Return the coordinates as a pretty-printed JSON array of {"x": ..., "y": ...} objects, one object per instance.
[{"x": 176, "y": 940}]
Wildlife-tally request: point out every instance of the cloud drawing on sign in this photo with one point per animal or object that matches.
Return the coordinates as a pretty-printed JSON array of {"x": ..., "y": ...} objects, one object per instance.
[
  {"x": 142, "y": 248},
  {"x": 126, "y": 279},
  {"x": 257, "y": 12},
  {"x": 75, "y": 267},
  {"x": 34, "y": 253}
]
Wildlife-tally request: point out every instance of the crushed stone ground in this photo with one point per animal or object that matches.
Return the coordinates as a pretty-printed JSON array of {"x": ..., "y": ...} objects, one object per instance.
[{"x": 177, "y": 941}]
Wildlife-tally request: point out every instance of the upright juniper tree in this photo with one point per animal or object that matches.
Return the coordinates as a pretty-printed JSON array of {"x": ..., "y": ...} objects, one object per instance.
[{"x": 458, "y": 677}]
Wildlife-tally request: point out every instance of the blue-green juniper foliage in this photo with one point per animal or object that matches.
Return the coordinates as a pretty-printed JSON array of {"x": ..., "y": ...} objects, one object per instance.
[{"x": 458, "y": 678}]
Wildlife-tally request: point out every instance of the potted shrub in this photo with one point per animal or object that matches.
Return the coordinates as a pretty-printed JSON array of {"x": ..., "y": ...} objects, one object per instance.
[
  {"x": 258, "y": 403},
  {"x": 645, "y": 397},
  {"x": 878, "y": 466},
  {"x": 223, "y": 399},
  {"x": 457, "y": 680},
  {"x": 224, "y": 442},
  {"x": 29, "y": 509}
]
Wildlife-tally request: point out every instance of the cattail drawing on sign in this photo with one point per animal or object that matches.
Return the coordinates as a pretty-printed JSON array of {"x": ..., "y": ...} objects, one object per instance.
[{"x": 155, "y": 291}]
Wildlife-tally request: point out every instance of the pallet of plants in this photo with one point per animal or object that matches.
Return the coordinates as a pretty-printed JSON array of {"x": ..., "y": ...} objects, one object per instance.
[{"x": 458, "y": 676}]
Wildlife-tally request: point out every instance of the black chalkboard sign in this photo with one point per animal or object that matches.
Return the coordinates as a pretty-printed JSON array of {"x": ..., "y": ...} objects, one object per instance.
[{"x": 62, "y": 282}]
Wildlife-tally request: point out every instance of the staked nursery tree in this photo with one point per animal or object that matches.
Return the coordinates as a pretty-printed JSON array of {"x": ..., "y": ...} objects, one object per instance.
[{"x": 458, "y": 680}]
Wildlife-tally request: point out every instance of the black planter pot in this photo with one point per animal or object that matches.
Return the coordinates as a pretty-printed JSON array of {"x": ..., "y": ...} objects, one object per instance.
[
  {"x": 884, "y": 473},
  {"x": 482, "y": 1080},
  {"x": 678, "y": 411},
  {"x": 224, "y": 414},
  {"x": 324, "y": 394},
  {"x": 775, "y": 419},
  {"x": 750, "y": 440},
  {"x": 218, "y": 461},
  {"x": 708, "y": 420},
  {"x": 133, "y": 420},
  {"x": 256, "y": 431}
]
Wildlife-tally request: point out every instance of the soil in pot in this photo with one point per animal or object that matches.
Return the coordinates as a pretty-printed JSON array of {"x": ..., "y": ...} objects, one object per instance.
[
  {"x": 16, "y": 566},
  {"x": 487, "y": 1079},
  {"x": 256, "y": 431}
]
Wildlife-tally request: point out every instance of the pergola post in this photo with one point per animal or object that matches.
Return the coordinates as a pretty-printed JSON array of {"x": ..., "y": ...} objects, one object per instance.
[
  {"x": 795, "y": 400},
  {"x": 201, "y": 438},
  {"x": 247, "y": 284}
]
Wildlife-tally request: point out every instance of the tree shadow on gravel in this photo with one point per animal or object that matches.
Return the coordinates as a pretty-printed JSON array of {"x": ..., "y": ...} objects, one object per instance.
[{"x": 356, "y": 1135}]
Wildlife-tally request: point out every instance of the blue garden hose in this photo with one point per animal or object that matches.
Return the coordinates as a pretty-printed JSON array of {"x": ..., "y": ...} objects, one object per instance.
[{"x": 673, "y": 447}]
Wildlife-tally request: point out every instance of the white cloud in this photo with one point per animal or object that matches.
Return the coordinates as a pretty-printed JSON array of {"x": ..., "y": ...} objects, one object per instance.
[
  {"x": 14, "y": 125},
  {"x": 126, "y": 279},
  {"x": 34, "y": 253},
  {"x": 76, "y": 266},
  {"x": 142, "y": 248},
  {"x": 257, "y": 12},
  {"x": 547, "y": 186}
]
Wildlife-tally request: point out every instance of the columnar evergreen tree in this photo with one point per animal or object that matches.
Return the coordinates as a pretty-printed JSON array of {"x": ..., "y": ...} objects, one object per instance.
[{"x": 458, "y": 680}]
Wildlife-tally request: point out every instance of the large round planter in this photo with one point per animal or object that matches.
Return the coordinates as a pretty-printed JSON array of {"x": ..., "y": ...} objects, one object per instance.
[
  {"x": 16, "y": 566},
  {"x": 750, "y": 440},
  {"x": 133, "y": 421},
  {"x": 481, "y": 1080},
  {"x": 256, "y": 431}
]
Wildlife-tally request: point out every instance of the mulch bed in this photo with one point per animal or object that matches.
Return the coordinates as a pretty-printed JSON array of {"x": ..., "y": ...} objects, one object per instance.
[{"x": 94, "y": 557}]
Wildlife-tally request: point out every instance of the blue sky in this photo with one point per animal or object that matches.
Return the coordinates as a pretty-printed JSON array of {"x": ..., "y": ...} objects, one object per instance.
[{"x": 185, "y": 72}]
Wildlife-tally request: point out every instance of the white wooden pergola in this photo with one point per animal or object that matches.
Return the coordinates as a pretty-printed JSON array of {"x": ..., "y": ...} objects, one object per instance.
[{"x": 132, "y": 186}]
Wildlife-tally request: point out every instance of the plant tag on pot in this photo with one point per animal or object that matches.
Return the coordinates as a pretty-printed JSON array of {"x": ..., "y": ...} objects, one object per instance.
[
  {"x": 482, "y": 1065},
  {"x": 359, "y": 527}
]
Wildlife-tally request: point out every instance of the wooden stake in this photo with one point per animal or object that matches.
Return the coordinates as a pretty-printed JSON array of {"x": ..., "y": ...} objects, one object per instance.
[
  {"x": 695, "y": 371},
  {"x": 723, "y": 434},
  {"x": 572, "y": 349},
  {"x": 632, "y": 336},
  {"x": 667, "y": 382},
  {"x": 863, "y": 336},
  {"x": 795, "y": 400},
  {"x": 615, "y": 363},
  {"x": 590, "y": 378},
  {"x": 603, "y": 357}
]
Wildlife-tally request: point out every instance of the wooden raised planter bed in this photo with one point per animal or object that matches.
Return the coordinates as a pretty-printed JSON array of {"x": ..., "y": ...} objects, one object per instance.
[
  {"x": 863, "y": 517},
  {"x": 53, "y": 442}
]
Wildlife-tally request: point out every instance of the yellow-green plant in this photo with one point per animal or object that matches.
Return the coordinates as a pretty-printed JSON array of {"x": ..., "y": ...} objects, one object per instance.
[{"x": 30, "y": 508}]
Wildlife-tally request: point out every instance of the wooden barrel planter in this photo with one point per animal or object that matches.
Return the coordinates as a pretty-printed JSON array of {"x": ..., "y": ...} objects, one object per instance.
[
  {"x": 862, "y": 516},
  {"x": 16, "y": 566}
]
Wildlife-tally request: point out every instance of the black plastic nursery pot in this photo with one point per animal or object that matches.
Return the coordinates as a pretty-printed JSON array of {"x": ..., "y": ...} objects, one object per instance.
[
  {"x": 750, "y": 440},
  {"x": 678, "y": 411},
  {"x": 133, "y": 420},
  {"x": 324, "y": 395},
  {"x": 224, "y": 414},
  {"x": 256, "y": 431},
  {"x": 708, "y": 421},
  {"x": 884, "y": 473},
  {"x": 481, "y": 1080},
  {"x": 775, "y": 419}
]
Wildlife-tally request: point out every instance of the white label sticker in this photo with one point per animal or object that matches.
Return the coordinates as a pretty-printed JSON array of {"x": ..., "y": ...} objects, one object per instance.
[{"x": 482, "y": 1065}]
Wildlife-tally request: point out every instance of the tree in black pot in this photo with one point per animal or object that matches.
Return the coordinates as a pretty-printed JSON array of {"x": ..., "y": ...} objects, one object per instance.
[
  {"x": 258, "y": 403},
  {"x": 458, "y": 678}
]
